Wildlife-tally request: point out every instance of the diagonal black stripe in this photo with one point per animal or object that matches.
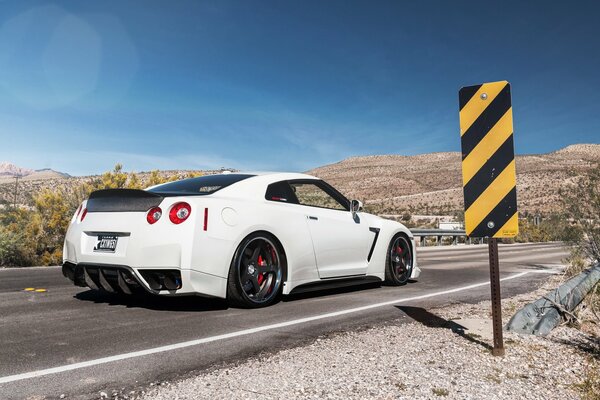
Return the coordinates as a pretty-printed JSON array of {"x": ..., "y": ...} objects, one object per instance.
[
  {"x": 500, "y": 215},
  {"x": 465, "y": 94},
  {"x": 489, "y": 171},
  {"x": 376, "y": 232},
  {"x": 488, "y": 118}
]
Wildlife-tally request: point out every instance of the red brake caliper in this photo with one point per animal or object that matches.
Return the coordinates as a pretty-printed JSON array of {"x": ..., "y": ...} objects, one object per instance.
[
  {"x": 399, "y": 252},
  {"x": 260, "y": 277}
]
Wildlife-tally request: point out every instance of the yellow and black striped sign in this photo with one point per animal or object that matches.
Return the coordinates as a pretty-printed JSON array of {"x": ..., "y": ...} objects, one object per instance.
[{"x": 488, "y": 160}]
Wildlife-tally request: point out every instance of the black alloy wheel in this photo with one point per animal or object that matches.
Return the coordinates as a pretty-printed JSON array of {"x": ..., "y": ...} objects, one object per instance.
[
  {"x": 256, "y": 273},
  {"x": 399, "y": 261}
]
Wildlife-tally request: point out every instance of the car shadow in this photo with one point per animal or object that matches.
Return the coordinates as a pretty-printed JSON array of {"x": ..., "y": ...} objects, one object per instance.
[
  {"x": 403, "y": 284},
  {"x": 197, "y": 303},
  {"x": 434, "y": 321},
  {"x": 318, "y": 292},
  {"x": 151, "y": 302}
]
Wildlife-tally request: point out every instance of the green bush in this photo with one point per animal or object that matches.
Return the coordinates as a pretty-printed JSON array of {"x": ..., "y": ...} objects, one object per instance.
[
  {"x": 10, "y": 247},
  {"x": 15, "y": 246}
]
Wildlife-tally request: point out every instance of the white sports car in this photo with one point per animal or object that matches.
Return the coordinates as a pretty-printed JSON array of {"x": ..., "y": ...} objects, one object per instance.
[{"x": 246, "y": 237}]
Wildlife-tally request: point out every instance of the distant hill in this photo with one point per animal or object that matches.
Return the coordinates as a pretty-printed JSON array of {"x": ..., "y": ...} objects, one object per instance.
[
  {"x": 36, "y": 181},
  {"x": 432, "y": 183},
  {"x": 425, "y": 184}
]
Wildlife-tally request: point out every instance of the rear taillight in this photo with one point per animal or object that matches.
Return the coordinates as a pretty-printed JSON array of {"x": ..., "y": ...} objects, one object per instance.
[
  {"x": 153, "y": 215},
  {"x": 180, "y": 212},
  {"x": 83, "y": 214},
  {"x": 76, "y": 215}
]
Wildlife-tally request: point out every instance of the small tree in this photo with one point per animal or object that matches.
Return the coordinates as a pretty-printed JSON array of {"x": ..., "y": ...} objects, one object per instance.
[
  {"x": 115, "y": 179},
  {"x": 582, "y": 211}
]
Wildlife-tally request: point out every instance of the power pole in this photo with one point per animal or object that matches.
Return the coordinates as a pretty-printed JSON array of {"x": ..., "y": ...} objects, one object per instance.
[{"x": 16, "y": 192}]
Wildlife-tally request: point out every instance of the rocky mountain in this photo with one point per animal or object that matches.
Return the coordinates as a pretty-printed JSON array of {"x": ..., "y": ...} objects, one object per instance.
[{"x": 11, "y": 170}]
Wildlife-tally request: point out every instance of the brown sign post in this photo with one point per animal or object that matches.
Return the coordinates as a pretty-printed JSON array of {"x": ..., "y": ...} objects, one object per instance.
[{"x": 489, "y": 177}]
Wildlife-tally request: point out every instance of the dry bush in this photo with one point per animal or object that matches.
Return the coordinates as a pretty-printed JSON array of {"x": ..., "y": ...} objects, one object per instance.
[{"x": 582, "y": 210}]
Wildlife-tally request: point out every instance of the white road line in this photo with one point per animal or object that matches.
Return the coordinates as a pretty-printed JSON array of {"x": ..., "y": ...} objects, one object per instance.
[
  {"x": 24, "y": 269},
  {"x": 181, "y": 345}
]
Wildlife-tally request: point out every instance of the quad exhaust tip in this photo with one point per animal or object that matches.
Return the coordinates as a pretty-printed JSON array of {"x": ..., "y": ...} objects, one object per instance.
[{"x": 162, "y": 279}]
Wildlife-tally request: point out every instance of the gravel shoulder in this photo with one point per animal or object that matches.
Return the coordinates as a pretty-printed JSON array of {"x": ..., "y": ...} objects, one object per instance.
[{"x": 430, "y": 358}]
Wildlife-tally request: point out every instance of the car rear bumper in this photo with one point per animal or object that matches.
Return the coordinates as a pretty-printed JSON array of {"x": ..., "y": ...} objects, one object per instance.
[
  {"x": 127, "y": 280},
  {"x": 110, "y": 278}
]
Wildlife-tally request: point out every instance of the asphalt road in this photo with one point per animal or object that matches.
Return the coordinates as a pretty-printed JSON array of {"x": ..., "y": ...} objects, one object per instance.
[{"x": 78, "y": 342}]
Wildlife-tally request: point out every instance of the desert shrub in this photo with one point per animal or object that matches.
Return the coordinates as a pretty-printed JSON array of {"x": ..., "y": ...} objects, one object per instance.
[
  {"x": 555, "y": 227},
  {"x": 11, "y": 248},
  {"x": 582, "y": 208},
  {"x": 16, "y": 246}
]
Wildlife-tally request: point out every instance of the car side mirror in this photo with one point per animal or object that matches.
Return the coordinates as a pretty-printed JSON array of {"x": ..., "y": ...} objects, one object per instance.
[{"x": 355, "y": 206}]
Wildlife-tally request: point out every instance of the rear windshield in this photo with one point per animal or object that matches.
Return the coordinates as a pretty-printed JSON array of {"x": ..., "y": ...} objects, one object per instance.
[{"x": 198, "y": 186}]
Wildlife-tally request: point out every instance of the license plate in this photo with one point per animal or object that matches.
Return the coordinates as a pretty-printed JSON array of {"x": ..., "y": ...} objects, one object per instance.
[{"x": 106, "y": 243}]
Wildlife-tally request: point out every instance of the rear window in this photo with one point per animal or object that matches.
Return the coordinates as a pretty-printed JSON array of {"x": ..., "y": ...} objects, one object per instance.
[
  {"x": 281, "y": 191},
  {"x": 199, "y": 186}
]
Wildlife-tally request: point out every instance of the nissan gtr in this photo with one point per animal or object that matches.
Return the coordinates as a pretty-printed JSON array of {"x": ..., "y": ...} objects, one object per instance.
[{"x": 245, "y": 237}]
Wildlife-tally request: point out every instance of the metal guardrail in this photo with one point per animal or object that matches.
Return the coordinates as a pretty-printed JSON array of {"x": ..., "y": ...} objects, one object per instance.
[
  {"x": 545, "y": 314},
  {"x": 439, "y": 234}
]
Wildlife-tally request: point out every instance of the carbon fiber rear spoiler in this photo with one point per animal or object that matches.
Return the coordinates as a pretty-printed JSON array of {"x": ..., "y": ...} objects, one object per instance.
[{"x": 122, "y": 200}]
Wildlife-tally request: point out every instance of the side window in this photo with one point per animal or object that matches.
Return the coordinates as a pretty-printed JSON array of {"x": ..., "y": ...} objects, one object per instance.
[
  {"x": 282, "y": 192},
  {"x": 309, "y": 194}
]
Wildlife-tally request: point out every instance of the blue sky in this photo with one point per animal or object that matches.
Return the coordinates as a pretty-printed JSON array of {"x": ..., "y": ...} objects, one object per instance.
[{"x": 283, "y": 85}]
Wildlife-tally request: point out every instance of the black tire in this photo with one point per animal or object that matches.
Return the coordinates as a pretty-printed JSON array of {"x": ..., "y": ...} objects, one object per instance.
[
  {"x": 257, "y": 271},
  {"x": 399, "y": 264}
]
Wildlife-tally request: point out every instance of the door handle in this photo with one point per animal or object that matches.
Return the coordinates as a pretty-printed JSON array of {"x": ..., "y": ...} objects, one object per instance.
[{"x": 313, "y": 218}]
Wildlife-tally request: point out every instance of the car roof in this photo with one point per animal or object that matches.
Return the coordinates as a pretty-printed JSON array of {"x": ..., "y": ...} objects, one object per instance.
[
  {"x": 255, "y": 185},
  {"x": 278, "y": 176}
]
